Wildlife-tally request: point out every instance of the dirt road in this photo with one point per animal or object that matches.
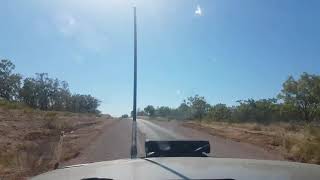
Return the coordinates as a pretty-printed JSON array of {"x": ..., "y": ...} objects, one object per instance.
[{"x": 114, "y": 142}]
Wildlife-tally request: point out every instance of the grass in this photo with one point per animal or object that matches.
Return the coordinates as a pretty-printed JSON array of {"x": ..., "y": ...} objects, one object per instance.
[
  {"x": 6, "y": 160},
  {"x": 68, "y": 114},
  {"x": 256, "y": 127},
  {"x": 54, "y": 122},
  {"x": 51, "y": 115},
  {"x": 291, "y": 127},
  {"x": 29, "y": 135},
  {"x": 305, "y": 148},
  {"x": 13, "y": 105},
  {"x": 297, "y": 142},
  {"x": 304, "y": 151}
]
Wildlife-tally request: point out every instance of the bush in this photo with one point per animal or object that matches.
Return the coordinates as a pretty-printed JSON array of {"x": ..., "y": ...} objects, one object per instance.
[
  {"x": 125, "y": 116},
  {"x": 28, "y": 110},
  {"x": 68, "y": 114},
  {"x": 53, "y": 122},
  {"x": 13, "y": 105},
  {"x": 51, "y": 114},
  {"x": 306, "y": 149},
  {"x": 58, "y": 124},
  {"x": 256, "y": 127}
]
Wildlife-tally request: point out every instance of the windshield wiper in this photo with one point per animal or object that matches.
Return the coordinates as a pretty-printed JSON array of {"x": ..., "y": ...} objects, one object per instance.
[
  {"x": 168, "y": 169},
  {"x": 95, "y": 178},
  {"x": 202, "y": 147}
]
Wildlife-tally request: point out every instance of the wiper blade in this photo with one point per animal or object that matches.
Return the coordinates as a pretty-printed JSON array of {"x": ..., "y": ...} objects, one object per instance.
[
  {"x": 150, "y": 153},
  {"x": 95, "y": 178},
  {"x": 202, "y": 147}
]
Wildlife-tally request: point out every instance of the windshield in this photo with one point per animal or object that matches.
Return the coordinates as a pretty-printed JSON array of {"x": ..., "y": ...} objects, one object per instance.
[{"x": 75, "y": 76}]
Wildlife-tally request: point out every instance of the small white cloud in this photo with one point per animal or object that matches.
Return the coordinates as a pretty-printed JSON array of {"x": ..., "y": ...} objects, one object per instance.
[{"x": 198, "y": 11}]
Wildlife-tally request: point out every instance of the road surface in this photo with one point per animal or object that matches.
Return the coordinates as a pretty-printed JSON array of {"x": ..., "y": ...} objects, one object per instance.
[{"x": 115, "y": 141}]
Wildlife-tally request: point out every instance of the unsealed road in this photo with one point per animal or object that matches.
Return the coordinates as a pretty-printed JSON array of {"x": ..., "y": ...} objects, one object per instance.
[{"x": 115, "y": 141}]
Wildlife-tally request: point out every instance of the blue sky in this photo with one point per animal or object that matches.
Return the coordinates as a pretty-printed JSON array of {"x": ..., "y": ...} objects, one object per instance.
[{"x": 225, "y": 50}]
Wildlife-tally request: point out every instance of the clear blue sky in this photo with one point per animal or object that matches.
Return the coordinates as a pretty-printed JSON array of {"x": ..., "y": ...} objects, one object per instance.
[{"x": 225, "y": 50}]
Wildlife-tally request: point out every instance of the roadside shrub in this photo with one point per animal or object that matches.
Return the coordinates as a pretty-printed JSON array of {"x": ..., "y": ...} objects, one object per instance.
[
  {"x": 291, "y": 127},
  {"x": 52, "y": 121},
  {"x": 58, "y": 124},
  {"x": 313, "y": 130},
  {"x": 68, "y": 114},
  {"x": 277, "y": 140},
  {"x": 306, "y": 151},
  {"x": 28, "y": 110},
  {"x": 12, "y": 105},
  {"x": 256, "y": 127},
  {"x": 51, "y": 114},
  {"x": 289, "y": 142},
  {"x": 125, "y": 116}
]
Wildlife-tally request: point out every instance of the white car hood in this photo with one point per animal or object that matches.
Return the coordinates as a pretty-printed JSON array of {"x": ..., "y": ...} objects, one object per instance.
[{"x": 187, "y": 168}]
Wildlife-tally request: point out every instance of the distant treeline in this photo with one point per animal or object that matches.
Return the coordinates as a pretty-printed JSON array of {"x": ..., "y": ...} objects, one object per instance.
[
  {"x": 42, "y": 92},
  {"x": 299, "y": 100}
]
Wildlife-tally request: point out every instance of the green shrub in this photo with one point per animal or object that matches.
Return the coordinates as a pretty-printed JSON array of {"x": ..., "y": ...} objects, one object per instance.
[{"x": 12, "y": 105}]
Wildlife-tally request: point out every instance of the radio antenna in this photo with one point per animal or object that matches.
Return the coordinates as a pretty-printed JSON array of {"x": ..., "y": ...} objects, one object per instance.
[{"x": 134, "y": 111}]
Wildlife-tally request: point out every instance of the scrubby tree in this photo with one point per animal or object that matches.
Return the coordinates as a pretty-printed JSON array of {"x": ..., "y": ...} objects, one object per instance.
[
  {"x": 61, "y": 95},
  {"x": 198, "y": 105},
  {"x": 163, "y": 111},
  {"x": 9, "y": 82},
  {"x": 219, "y": 112},
  {"x": 304, "y": 94},
  {"x": 43, "y": 92},
  {"x": 263, "y": 110},
  {"x": 288, "y": 112},
  {"x": 28, "y": 92},
  {"x": 83, "y": 104},
  {"x": 50, "y": 94},
  {"x": 124, "y": 116},
  {"x": 183, "y": 112},
  {"x": 150, "y": 110},
  {"x": 140, "y": 112},
  {"x": 44, "y": 89}
]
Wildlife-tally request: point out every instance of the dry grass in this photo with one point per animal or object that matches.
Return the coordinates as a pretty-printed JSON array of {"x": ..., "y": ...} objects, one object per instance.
[
  {"x": 55, "y": 122},
  {"x": 29, "y": 138},
  {"x": 304, "y": 147},
  {"x": 296, "y": 142},
  {"x": 13, "y": 105}
]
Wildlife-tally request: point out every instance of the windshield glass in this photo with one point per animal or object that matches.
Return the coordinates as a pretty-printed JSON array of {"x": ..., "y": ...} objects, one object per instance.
[{"x": 90, "y": 81}]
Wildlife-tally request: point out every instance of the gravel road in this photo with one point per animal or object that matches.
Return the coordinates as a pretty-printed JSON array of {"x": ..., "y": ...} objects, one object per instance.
[{"x": 115, "y": 141}]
